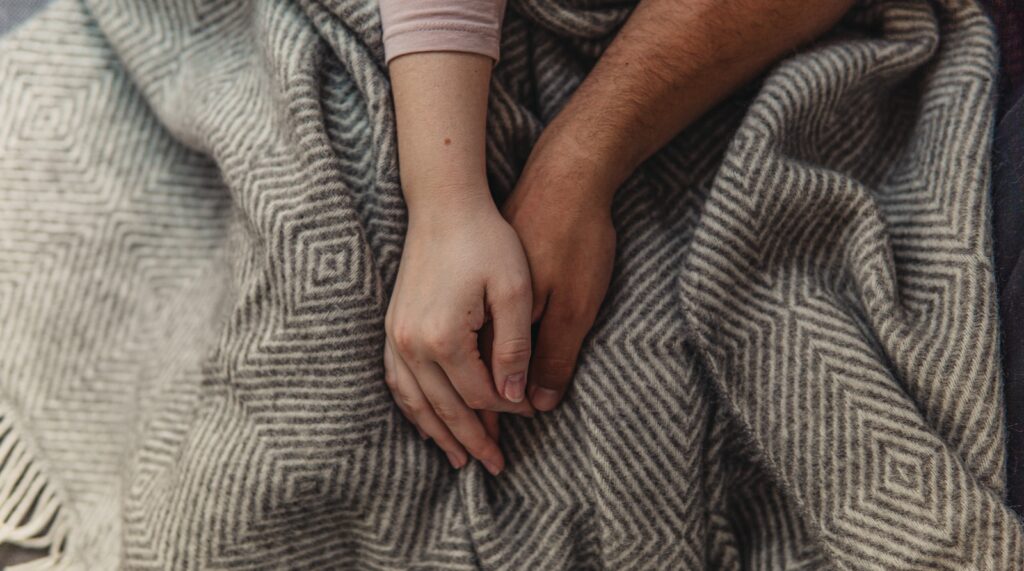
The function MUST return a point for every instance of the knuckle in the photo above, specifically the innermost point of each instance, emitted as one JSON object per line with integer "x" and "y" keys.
{"x": 413, "y": 404}
{"x": 389, "y": 379}
{"x": 481, "y": 447}
{"x": 554, "y": 371}
{"x": 404, "y": 338}
{"x": 513, "y": 351}
{"x": 448, "y": 415}
{"x": 439, "y": 344}
{"x": 516, "y": 288}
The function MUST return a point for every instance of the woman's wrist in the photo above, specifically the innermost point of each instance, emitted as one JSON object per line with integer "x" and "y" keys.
{"x": 441, "y": 112}
{"x": 450, "y": 202}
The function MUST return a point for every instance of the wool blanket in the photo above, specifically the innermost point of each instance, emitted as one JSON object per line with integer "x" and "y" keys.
{"x": 201, "y": 220}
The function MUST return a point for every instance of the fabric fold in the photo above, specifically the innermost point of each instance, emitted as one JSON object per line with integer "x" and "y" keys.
{"x": 796, "y": 365}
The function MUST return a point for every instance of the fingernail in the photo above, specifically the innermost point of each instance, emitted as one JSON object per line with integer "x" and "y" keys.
{"x": 456, "y": 461}
{"x": 515, "y": 387}
{"x": 544, "y": 399}
{"x": 493, "y": 468}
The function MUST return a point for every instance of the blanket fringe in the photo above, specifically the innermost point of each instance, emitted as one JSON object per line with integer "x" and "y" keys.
{"x": 31, "y": 512}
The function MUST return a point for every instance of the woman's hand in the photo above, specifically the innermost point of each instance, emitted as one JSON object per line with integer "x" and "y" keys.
{"x": 561, "y": 210}
{"x": 462, "y": 267}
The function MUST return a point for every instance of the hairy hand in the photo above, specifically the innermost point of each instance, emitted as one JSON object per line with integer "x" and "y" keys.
{"x": 564, "y": 223}
{"x": 462, "y": 267}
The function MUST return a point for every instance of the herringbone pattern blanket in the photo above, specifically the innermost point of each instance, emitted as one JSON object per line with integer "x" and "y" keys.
{"x": 200, "y": 222}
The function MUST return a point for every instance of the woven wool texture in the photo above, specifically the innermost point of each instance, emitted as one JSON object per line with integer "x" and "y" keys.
{"x": 201, "y": 221}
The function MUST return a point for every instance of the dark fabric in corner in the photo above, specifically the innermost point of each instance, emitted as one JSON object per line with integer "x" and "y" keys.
{"x": 1008, "y": 229}
{"x": 13, "y": 12}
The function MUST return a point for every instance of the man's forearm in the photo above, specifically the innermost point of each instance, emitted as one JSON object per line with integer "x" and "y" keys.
{"x": 671, "y": 62}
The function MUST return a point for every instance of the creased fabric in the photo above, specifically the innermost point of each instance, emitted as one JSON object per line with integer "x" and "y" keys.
{"x": 200, "y": 222}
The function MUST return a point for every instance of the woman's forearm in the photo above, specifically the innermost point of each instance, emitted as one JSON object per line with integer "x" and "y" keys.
{"x": 462, "y": 264}
{"x": 441, "y": 112}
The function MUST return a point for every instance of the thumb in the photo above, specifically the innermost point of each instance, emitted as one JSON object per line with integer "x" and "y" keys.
{"x": 510, "y": 351}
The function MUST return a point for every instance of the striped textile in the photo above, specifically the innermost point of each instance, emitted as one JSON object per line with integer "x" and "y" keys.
{"x": 200, "y": 221}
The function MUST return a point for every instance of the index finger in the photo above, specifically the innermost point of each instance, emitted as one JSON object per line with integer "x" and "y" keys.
{"x": 461, "y": 420}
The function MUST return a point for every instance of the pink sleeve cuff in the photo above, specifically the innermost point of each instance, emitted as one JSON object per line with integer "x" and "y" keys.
{"x": 411, "y": 26}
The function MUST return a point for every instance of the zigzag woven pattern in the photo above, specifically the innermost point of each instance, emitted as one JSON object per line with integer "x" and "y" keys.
{"x": 200, "y": 222}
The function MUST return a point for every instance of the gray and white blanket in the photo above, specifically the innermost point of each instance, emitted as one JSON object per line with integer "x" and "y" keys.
{"x": 200, "y": 223}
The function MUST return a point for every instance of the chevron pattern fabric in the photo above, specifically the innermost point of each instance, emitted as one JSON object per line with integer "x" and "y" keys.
{"x": 200, "y": 222}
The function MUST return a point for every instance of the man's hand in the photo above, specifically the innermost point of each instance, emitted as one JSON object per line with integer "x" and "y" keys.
{"x": 649, "y": 84}
{"x": 567, "y": 232}
{"x": 461, "y": 268}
